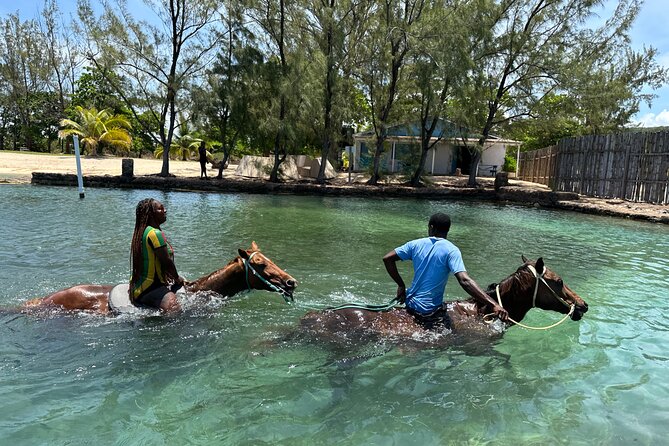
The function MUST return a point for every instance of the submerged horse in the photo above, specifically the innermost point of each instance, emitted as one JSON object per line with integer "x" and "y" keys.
{"x": 532, "y": 285}
{"x": 251, "y": 269}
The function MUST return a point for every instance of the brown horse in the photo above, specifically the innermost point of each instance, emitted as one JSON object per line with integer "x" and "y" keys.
{"x": 532, "y": 285}
{"x": 250, "y": 270}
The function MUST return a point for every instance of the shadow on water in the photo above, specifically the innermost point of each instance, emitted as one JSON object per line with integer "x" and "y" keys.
{"x": 365, "y": 359}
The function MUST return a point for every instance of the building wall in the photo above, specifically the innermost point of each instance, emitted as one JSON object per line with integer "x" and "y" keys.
{"x": 444, "y": 156}
{"x": 443, "y": 159}
{"x": 494, "y": 156}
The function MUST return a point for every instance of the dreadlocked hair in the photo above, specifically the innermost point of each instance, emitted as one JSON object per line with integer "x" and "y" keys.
{"x": 143, "y": 212}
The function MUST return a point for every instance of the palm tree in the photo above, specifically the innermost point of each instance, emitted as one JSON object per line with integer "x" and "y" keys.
{"x": 98, "y": 127}
{"x": 185, "y": 145}
{"x": 182, "y": 148}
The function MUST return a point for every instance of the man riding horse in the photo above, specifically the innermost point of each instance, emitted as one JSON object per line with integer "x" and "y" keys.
{"x": 434, "y": 258}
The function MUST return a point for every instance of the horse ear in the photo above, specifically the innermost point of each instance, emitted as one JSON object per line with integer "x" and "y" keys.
{"x": 254, "y": 247}
{"x": 524, "y": 259}
{"x": 243, "y": 254}
{"x": 540, "y": 266}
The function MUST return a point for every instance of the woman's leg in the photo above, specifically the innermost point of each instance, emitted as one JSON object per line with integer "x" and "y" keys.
{"x": 170, "y": 303}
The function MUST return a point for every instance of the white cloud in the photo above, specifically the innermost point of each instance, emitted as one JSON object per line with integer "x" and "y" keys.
{"x": 653, "y": 120}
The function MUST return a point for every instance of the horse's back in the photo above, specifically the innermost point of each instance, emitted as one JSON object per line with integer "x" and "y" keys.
{"x": 79, "y": 297}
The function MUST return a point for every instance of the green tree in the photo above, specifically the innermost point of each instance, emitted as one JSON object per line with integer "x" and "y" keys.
{"x": 25, "y": 74}
{"x": 185, "y": 144}
{"x": 334, "y": 29}
{"x": 381, "y": 61}
{"x": 60, "y": 52}
{"x": 282, "y": 71}
{"x": 554, "y": 117}
{"x": 92, "y": 90}
{"x": 541, "y": 47}
{"x": 607, "y": 80}
{"x": 439, "y": 63}
{"x": 223, "y": 104}
{"x": 98, "y": 129}
{"x": 159, "y": 59}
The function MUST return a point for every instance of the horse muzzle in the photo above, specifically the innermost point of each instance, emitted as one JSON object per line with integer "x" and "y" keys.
{"x": 579, "y": 311}
{"x": 287, "y": 288}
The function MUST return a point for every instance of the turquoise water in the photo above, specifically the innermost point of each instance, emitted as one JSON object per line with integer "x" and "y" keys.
{"x": 229, "y": 374}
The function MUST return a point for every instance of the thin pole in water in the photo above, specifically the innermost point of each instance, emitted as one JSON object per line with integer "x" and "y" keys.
{"x": 80, "y": 180}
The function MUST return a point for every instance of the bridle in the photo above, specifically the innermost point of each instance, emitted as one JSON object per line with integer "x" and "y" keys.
{"x": 248, "y": 267}
{"x": 540, "y": 278}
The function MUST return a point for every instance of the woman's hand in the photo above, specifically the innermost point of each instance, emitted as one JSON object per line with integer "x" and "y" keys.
{"x": 178, "y": 283}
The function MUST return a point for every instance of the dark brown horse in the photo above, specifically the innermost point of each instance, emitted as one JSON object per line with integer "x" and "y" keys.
{"x": 532, "y": 285}
{"x": 250, "y": 270}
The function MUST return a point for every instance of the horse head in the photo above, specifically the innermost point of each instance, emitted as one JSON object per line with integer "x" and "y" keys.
{"x": 549, "y": 291}
{"x": 263, "y": 274}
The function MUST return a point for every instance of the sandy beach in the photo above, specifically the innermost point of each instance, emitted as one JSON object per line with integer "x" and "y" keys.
{"x": 17, "y": 167}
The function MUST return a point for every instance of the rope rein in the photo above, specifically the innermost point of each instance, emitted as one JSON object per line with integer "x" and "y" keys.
{"x": 394, "y": 303}
{"x": 538, "y": 277}
{"x": 248, "y": 267}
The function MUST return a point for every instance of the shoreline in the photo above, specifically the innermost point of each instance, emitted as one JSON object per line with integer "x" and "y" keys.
{"x": 105, "y": 172}
{"x": 506, "y": 195}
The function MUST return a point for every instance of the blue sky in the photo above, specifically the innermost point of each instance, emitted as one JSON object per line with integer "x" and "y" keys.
{"x": 650, "y": 29}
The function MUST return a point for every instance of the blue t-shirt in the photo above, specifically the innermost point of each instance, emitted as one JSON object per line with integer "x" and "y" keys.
{"x": 433, "y": 260}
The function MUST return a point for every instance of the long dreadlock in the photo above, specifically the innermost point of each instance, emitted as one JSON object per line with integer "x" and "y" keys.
{"x": 143, "y": 213}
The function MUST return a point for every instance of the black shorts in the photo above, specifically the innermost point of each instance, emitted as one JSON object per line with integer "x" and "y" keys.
{"x": 152, "y": 297}
{"x": 438, "y": 319}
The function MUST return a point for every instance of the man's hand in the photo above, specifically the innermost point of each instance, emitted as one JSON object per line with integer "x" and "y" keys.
{"x": 401, "y": 294}
{"x": 390, "y": 260}
{"x": 501, "y": 313}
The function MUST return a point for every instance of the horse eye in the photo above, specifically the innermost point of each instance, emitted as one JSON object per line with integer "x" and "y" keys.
{"x": 561, "y": 283}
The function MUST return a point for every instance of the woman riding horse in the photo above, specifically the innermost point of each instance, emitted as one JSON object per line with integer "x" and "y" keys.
{"x": 152, "y": 260}
{"x": 250, "y": 270}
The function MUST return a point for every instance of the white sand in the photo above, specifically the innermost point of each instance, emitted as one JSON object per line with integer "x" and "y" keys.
{"x": 18, "y": 167}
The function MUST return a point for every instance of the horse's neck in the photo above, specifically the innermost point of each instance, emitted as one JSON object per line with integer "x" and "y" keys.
{"x": 227, "y": 281}
{"x": 516, "y": 294}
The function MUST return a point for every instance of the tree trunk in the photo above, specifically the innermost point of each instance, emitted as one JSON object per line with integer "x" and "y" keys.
{"x": 279, "y": 143}
{"x": 374, "y": 179}
{"x": 415, "y": 178}
{"x": 226, "y": 155}
{"x": 329, "y": 93}
{"x": 165, "y": 170}
{"x": 473, "y": 167}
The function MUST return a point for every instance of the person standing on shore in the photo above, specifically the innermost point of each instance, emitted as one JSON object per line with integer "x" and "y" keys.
{"x": 203, "y": 160}
{"x": 434, "y": 258}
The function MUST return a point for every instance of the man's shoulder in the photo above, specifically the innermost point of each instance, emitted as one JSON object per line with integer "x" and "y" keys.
{"x": 447, "y": 245}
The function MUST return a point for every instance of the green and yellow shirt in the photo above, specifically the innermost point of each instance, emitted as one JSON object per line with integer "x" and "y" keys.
{"x": 152, "y": 272}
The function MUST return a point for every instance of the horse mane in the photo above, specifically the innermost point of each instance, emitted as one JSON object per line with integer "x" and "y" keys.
{"x": 512, "y": 284}
{"x": 217, "y": 272}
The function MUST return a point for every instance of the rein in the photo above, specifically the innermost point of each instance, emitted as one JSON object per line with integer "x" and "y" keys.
{"x": 539, "y": 278}
{"x": 394, "y": 303}
{"x": 248, "y": 266}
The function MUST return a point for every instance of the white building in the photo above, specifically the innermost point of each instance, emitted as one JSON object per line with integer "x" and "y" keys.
{"x": 451, "y": 150}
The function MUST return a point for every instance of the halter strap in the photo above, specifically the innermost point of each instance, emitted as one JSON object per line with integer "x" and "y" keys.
{"x": 248, "y": 266}
{"x": 539, "y": 277}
